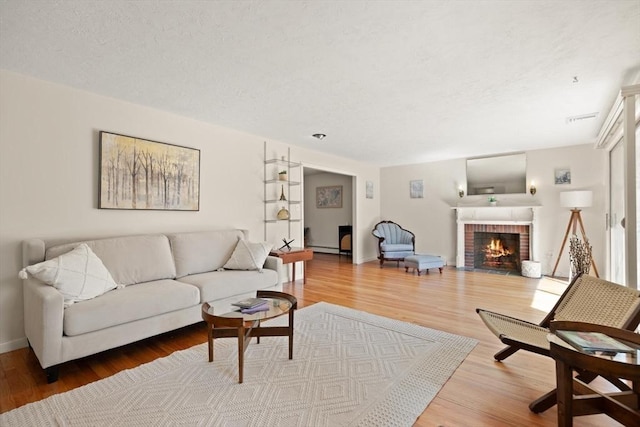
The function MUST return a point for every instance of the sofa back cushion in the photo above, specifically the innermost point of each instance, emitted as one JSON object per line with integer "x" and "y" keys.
{"x": 203, "y": 251}
{"x": 129, "y": 259}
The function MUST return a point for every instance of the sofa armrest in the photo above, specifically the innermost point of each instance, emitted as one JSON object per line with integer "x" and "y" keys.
{"x": 275, "y": 263}
{"x": 43, "y": 321}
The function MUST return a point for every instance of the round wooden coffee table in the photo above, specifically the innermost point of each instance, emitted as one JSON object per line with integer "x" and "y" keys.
{"x": 246, "y": 326}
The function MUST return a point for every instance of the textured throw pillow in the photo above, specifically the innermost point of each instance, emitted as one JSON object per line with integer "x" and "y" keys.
{"x": 79, "y": 274}
{"x": 248, "y": 256}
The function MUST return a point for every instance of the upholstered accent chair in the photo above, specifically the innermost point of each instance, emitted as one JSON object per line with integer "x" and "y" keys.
{"x": 394, "y": 242}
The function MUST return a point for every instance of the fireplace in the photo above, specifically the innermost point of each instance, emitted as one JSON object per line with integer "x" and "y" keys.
{"x": 496, "y": 251}
{"x": 506, "y": 218}
{"x": 496, "y": 246}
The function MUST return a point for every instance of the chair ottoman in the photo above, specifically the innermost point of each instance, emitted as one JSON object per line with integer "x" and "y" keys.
{"x": 423, "y": 262}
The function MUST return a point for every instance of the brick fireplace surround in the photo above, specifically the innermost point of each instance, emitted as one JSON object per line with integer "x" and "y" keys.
{"x": 505, "y": 218}
{"x": 471, "y": 229}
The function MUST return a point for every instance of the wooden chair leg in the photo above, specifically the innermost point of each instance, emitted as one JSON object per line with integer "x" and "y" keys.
{"x": 504, "y": 353}
{"x": 544, "y": 402}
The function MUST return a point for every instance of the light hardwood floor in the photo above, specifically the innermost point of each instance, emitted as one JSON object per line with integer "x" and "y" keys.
{"x": 480, "y": 393}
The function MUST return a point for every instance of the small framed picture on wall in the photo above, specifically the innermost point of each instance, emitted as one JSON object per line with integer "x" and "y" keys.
{"x": 329, "y": 197}
{"x": 369, "y": 192}
{"x": 416, "y": 189}
{"x": 562, "y": 176}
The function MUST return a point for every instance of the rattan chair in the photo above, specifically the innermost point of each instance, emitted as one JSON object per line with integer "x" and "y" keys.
{"x": 587, "y": 299}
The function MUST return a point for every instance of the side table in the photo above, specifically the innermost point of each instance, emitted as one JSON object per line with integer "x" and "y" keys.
{"x": 293, "y": 255}
{"x": 576, "y": 397}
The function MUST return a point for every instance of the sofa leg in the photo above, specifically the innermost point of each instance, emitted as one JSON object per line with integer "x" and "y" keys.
{"x": 381, "y": 262}
{"x": 52, "y": 374}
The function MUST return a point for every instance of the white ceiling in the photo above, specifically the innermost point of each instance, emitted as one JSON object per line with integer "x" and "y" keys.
{"x": 389, "y": 82}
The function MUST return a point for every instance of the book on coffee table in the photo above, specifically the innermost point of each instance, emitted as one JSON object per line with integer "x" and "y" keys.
{"x": 249, "y": 302}
{"x": 594, "y": 341}
{"x": 256, "y": 309}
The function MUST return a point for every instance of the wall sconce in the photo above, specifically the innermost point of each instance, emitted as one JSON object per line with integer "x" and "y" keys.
{"x": 532, "y": 188}
{"x": 460, "y": 191}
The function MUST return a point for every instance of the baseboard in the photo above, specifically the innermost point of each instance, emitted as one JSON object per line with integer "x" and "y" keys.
{"x": 323, "y": 250}
{"x": 8, "y": 346}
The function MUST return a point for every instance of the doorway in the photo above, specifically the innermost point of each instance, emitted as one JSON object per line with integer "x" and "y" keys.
{"x": 328, "y": 210}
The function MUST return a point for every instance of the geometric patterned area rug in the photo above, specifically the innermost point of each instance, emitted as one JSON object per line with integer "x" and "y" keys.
{"x": 349, "y": 368}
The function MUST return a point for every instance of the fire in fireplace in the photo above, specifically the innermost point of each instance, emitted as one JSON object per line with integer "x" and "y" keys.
{"x": 497, "y": 251}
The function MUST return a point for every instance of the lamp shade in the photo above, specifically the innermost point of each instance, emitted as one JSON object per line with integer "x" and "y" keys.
{"x": 576, "y": 199}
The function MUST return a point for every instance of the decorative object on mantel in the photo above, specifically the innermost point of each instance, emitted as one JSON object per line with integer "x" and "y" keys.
{"x": 532, "y": 188}
{"x": 562, "y": 176}
{"x": 460, "y": 191}
{"x": 575, "y": 200}
{"x": 282, "y": 175}
{"x": 493, "y": 201}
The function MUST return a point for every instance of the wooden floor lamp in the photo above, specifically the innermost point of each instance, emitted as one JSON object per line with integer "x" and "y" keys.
{"x": 575, "y": 200}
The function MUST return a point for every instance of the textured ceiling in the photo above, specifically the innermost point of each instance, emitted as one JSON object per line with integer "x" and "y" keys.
{"x": 389, "y": 82}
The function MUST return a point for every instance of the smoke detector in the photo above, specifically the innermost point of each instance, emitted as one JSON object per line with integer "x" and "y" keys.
{"x": 582, "y": 117}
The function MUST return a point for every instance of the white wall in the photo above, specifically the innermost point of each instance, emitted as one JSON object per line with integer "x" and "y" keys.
{"x": 323, "y": 222}
{"x": 434, "y": 223}
{"x": 49, "y": 177}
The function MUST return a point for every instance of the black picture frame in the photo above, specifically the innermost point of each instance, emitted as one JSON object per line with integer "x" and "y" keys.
{"x": 141, "y": 174}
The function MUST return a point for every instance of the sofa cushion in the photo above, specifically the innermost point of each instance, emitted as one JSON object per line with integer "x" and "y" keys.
{"x": 224, "y": 284}
{"x": 129, "y": 259}
{"x": 79, "y": 274}
{"x": 248, "y": 255}
{"x": 203, "y": 251}
{"x": 132, "y": 303}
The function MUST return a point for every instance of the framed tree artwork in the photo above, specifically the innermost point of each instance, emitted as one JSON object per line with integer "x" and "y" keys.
{"x": 141, "y": 174}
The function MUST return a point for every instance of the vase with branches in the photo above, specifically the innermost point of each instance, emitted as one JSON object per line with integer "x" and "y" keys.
{"x": 580, "y": 254}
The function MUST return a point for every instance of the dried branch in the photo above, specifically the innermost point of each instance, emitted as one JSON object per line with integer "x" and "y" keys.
{"x": 579, "y": 256}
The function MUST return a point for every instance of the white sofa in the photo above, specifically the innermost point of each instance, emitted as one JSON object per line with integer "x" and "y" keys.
{"x": 167, "y": 277}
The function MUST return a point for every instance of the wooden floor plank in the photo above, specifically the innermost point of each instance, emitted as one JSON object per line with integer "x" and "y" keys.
{"x": 481, "y": 392}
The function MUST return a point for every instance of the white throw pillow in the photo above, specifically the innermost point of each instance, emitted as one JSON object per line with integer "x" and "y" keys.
{"x": 248, "y": 256}
{"x": 78, "y": 274}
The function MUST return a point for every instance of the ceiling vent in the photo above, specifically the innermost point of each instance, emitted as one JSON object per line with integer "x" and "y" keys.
{"x": 576, "y": 119}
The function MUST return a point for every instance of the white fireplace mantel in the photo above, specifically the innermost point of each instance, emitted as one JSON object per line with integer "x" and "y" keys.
{"x": 504, "y": 213}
